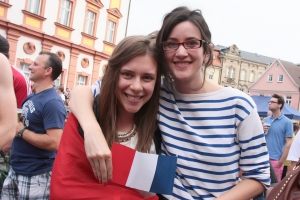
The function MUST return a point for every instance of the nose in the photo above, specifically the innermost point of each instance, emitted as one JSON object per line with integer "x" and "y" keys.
{"x": 181, "y": 51}
{"x": 136, "y": 85}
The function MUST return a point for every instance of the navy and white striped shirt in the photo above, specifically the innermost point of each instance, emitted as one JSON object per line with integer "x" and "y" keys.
{"x": 214, "y": 135}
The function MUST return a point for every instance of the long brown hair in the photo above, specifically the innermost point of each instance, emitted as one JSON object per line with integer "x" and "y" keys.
{"x": 176, "y": 16}
{"x": 145, "y": 118}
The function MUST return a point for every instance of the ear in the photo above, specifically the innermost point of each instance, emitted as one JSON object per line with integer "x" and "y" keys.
{"x": 206, "y": 58}
{"x": 48, "y": 71}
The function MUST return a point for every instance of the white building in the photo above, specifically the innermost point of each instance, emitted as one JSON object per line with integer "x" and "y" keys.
{"x": 82, "y": 32}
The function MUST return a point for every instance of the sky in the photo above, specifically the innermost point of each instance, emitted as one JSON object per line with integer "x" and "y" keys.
{"x": 266, "y": 27}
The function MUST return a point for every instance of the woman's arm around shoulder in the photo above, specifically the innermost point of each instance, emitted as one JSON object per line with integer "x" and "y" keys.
{"x": 97, "y": 150}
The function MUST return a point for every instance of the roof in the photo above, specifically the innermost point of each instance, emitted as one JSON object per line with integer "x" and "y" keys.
{"x": 253, "y": 57}
{"x": 293, "y": 70}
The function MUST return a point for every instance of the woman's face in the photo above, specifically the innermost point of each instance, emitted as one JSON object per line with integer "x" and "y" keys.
{"x": 185, "y": 64}
{"x": 136, "y": 83}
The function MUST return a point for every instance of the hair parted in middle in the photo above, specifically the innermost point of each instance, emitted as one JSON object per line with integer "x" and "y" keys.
{"x": 182, "y": 14}
{"x": 146, "y": 117}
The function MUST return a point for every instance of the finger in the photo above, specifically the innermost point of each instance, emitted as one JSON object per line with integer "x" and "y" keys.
{"x": 97, "y": 169}
{"x": 109, "y": 168}
{"x": 103, "y": 171}
{"x": 93, "y": 165}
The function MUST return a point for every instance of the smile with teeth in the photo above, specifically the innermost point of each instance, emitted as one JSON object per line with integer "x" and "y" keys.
{"x": 182, "y": 63}
{"x": 133, "y": 98}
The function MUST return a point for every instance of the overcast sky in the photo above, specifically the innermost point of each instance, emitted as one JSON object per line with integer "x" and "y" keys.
{"x": 267, "y": 27}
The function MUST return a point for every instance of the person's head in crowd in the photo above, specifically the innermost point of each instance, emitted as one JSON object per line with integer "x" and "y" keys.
{"x": 295, "y": 128}
{"x": 133, "y": 73}
{"x": 4, "y": 46}
{"x": 60, "y": 90}
{"x": 180, "y": 20}
{"x": 46, "y": 66}
{"x": 276, "y": 103}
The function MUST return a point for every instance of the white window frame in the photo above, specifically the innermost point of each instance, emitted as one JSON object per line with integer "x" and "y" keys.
{"x": 110, "y": 31}
{"x": 288, "y": 100}
{"x": 280, "y": 78}
{"x": 90, "y": 22}
{"x": 227, "y": 72}
{"x": 251, "y": 77}
{"x": 81, "y": 80}
{"x": 232, "y": 73}
{"x": 24, "y": 67}
{"x": 243, "y": 75}
{"x": 270, "y": 78}
{"x": 34, "y": 6}
{"x": 65, "y": 12}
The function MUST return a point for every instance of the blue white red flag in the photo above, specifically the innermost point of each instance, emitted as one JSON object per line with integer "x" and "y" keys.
{"x": 143, "y": 171}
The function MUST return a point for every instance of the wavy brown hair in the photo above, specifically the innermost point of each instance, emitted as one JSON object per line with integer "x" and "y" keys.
{"x": 145, "y": 118}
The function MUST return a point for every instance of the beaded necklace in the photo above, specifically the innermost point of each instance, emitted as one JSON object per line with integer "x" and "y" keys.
{"x": 127, "y": 136}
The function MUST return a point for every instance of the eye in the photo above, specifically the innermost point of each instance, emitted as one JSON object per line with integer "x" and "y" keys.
{"x": 126, "y": 74}
{"x": 148, "y": 78}
{"x": 171, "y": 45}
{"x": 192, "y": 43}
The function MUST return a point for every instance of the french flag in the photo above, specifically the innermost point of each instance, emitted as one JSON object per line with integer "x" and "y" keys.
{"x": 143, "y": 171}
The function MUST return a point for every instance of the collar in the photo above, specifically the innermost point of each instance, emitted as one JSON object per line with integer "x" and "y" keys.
{"x": 279, "y": 117}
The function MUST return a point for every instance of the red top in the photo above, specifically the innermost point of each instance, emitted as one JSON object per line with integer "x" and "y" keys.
{"x": 21, "y": 85}
{"x": 73, "y": 177}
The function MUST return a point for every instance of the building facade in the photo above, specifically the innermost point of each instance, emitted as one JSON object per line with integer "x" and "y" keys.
{"x": 282, "y": 78}
{"x": 240, "y": 69}
{"x": 83, "y": 33}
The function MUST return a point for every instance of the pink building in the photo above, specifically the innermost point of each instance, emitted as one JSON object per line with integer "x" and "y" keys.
{"x": 281, "y": 78}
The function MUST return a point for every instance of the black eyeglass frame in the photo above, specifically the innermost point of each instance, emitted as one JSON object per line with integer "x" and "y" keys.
{"x": 183, "y": 44}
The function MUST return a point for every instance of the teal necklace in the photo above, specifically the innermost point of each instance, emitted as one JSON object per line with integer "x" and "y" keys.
{"x": 127, "y": 136}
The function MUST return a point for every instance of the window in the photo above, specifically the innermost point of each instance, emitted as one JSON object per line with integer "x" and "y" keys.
{"x": 251, "y": 77}
{"x": 34, "y": 6}
{"x": 90, "y": 22}
{"x": 110, "y": 31}
{"x": 24, "y": 68}
{"x": 288, "y": 100}
{"x": 259, "y": 74}
{"x": 81, "y": 80}
{"x": 243, "y": 75}
{"x": 280, "y": 78}
{"x": 270, "y": 78}
{"x": 65, "y": 12}
{"x": 227, "y": 72}
{"x": 211, "y": 75}
{"x": 232, "y": 74}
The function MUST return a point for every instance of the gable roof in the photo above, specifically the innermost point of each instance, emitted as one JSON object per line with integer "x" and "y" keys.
{"x": 293, "y": 71}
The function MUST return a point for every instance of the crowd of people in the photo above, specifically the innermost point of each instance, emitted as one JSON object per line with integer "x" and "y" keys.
{"x": 153, "y": 98}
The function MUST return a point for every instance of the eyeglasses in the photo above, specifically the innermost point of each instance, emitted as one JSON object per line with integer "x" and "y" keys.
{"x": 273, "y": 102}
{"x": 191, "y": 44}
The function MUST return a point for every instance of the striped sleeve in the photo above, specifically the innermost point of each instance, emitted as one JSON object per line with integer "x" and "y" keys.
{"x": 96, "y": 88}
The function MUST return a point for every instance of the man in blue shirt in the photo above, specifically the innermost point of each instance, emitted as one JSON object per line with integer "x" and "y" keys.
{"x": 278, "y": 135}
{"x": 38, "y": 135}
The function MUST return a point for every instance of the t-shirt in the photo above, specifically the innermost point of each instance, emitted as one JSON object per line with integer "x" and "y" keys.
{"x": 213, "y": 135}
{"x": 280, "y": 129}
{"x": 41, "y": 111}
{"x": 22, "y": 85}
{"x": 294, "y": 153}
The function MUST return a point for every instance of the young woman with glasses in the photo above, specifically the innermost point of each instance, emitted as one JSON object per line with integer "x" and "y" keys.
{"x": 214, "y": 131}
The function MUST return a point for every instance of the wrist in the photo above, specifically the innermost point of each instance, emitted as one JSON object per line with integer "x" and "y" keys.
{"x": 20, "y": 133}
